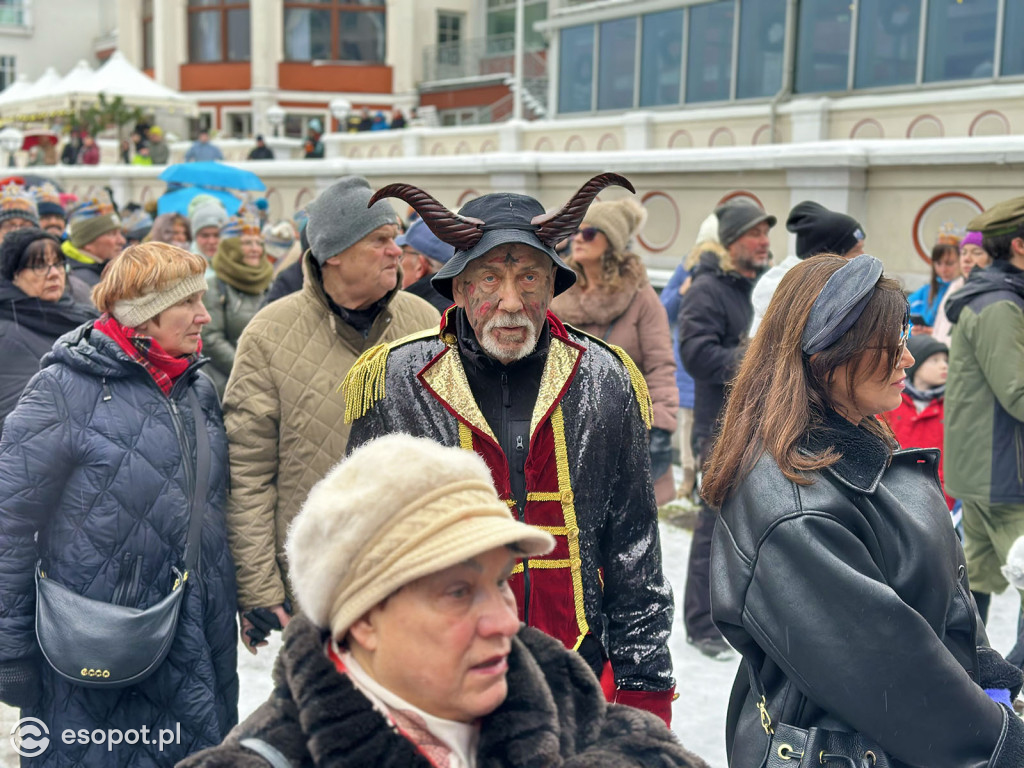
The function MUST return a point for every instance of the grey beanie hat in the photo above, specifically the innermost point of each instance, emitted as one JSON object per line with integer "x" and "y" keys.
{"x": 339, "y": 218}
{"x": 210, "y": 214}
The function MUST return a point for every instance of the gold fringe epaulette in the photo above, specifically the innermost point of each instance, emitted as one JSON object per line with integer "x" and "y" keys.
{"x": 636, "y": 378}
{"x": 363, "y": 386}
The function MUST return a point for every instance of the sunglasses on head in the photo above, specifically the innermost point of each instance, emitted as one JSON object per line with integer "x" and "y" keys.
{"x": 588, "y": 233}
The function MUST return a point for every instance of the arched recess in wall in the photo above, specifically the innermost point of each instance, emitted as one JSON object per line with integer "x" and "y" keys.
{"x": 438, "y": 149}
{"x": 740, "y": 193}
{"x": 680, "y": 139}
{"x": 946, "y": 210}
{"x": 395, "y": 151}
{"x": 355, "y": 152}
{"x": 145, "y": 195}
{"x": 663, "y": 221}
{"x": 763, "y": 135}
{"x": 608, "y": 143}
{"x": 463, "y": 148}
{"x": 466, "y": 196}
{"x": 991, "y": 122}
{"x": 575, "y": 144}
{"x": 374, "y": 151}
{"x": 868, "y": 128}
{"x": 488, "y": 146}
{"x": 304, "y": 196}
{"x": 722, "y": 137}
{"x": 925, "y": 127}
{"x": 274, "y": 204}
{"x": 544, "y": 145}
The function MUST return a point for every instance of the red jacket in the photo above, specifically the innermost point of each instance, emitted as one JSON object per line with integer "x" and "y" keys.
{"x": 919, "y": 430}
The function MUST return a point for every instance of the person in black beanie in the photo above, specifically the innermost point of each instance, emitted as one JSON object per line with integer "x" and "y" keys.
{"x": 818, "y": 230}
{"x": 35, "y": 308}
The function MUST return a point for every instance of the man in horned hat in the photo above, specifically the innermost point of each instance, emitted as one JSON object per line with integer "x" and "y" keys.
{"x": 561, "y": 419}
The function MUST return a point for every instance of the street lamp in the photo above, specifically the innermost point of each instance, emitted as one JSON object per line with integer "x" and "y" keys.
{"x": 276, "y": 117}
{"x": 340, "y": 110}
{"x": 11, "y": 140}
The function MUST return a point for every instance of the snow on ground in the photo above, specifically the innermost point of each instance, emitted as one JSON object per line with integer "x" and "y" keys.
{"x": 698, "y": 715}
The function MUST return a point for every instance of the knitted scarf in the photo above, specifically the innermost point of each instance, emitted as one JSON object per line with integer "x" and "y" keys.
{"x": 145, "y": 350}
{"x": 232, "y": 269}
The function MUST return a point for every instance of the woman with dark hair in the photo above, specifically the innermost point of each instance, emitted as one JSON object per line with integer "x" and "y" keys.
{"x": 925, "y": 301}
{"x": 835, "y": 570}
{"x": 113, "y": 483}
{"x": 35, "y": 308}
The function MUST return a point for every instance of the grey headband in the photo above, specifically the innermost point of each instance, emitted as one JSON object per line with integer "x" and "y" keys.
{"x": 840, "y": 303}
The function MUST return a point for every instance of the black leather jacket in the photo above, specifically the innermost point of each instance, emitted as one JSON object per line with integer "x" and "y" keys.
{"x": 850, "y": 598}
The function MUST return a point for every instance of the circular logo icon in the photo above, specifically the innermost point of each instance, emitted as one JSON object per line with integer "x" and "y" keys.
{"x": 30, "y": 737}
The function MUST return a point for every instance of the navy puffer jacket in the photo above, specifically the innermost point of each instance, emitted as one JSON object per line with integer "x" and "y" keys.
{"x": 98, "y": 462}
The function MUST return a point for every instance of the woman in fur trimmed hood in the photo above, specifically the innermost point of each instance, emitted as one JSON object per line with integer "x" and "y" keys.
{"x": 409, "y": 652}
{"x": 614, "y": 301}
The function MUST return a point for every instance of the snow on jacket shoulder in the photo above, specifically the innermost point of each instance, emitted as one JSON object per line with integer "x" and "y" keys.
{"x": 285, "y": 419}
{"x": 94, "y": 481}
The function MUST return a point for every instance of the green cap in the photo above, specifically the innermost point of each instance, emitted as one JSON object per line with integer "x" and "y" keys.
{"x": 1004, "y": 218}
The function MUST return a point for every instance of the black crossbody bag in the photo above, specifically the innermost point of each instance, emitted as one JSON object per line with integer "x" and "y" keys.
{"x": 792, "y": 747}
{"x": 104, "y": 645}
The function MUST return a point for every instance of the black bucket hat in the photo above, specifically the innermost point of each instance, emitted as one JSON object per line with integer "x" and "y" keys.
{"x": 498, "y": 219}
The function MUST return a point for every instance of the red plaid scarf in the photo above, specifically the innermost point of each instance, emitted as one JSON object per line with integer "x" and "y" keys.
{"x": 145, "y": 350}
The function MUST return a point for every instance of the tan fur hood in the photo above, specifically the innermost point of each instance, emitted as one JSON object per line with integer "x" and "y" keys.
{"x": 601, "y": 306}
{"x": 711, "y": 247}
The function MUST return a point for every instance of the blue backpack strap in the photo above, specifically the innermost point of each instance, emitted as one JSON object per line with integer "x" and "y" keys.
{"x": 267, "y": 752}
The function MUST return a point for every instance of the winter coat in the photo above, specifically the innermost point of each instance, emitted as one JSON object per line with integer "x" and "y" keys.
{"x": 984, "y": 456}
{"x": 28, "y": 328}
{"x": 630, "y": 317}
{"x": 84, "y": 266}
{"x": 919, "y": 304}
{"x": 849, "y": 597}
{"x": 287, "y": 281}
{"x": 230, "y": 311}
{"x": 89, "y": 155}
{"x": 98, "y": 462}
{"x": 159, "y": 152}
{"x": 765, "y": 289}
{"x": 285, "y": 419}
{"x": 554, "y": 715}
{"x": 942, "y": 330}
{"x": 914, "y": 429}
{"x": 671, "y": 300}
{"x": 203, "y": 152}
{"x": 713, "y": 323}
{"x": 622, "y": 596}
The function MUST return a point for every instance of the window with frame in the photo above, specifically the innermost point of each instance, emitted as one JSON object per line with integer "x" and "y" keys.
{"x": 661, "y": 58}
{"x": 823, "y": 45}
{"x": 335, "y": 30}
{"x": 449, "y": 27}
{"x": 960, "y": 39}
{"x": 576, "y": 69}
{"x": 887, "y": 37}
{"x": 1013, "y": 52}
{"x": 616, "y": 63}
{"x": 709, "y": 56}
{"x": 762, "y": 42}
{"x": 501, "y": 24}
{"x": 218, "y": 30}
{"x": 8, "y": 70}
{"x": 147, "y": 34}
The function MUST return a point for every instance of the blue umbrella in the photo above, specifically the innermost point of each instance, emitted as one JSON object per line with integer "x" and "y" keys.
{"x": 177, "y": 200}
{"x": 212, "y": 175}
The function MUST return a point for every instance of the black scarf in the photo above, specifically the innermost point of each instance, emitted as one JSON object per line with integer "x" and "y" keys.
{"x": 47, "y": 318}
{"x": 864, "y": 456}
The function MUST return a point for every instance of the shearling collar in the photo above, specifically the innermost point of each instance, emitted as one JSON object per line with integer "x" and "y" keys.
{"x": 600, "y": 305}
{"x": 864, "y": 457}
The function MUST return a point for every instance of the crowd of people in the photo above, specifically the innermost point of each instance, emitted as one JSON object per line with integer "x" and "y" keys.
{"x": 432, "y": 452}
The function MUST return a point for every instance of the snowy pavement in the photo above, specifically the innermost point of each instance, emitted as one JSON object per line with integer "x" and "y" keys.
{"x": 698, "y": 715}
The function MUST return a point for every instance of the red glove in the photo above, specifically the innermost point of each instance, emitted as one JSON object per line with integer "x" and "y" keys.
{"x": 656, "y": 702}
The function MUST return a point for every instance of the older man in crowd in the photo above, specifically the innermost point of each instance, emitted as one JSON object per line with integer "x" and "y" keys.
{"x": 282, "y": 409}
{"x": 94, "y": 240}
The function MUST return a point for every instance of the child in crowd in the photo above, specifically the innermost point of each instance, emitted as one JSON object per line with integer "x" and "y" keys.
{"x": 917, "y": 422}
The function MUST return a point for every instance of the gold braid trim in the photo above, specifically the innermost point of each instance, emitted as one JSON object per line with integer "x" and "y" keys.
{"x": 569, "y": 513}
{"x": 363, "y": 386}
{"x": 466, "y": 441}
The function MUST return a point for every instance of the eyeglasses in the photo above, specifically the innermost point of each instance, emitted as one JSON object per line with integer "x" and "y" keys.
{"x": 903, "y": 344}
{"x": 588, "y": 233}
{"x": 44, "y": 269}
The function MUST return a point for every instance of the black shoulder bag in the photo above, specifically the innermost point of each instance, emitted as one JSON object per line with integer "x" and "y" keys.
{"x": 792, "y": 747}
{"x": 100, "y": 644}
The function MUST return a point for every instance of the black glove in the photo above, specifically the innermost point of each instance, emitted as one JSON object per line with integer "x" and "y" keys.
{"x": 661, "y": 452}
{"x": 996, "y": 672}
{"x": 20, "y": 682}
{"x": 263, "y": 622}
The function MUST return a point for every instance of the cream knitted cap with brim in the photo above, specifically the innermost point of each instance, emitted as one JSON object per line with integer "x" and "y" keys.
{"x": 399, "y": 508}
{"x": 131, "y": 313}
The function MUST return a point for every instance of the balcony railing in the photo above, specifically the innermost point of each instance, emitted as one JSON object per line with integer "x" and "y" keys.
{"x": 15, "y": 13}
{"x": 477, "y": 57}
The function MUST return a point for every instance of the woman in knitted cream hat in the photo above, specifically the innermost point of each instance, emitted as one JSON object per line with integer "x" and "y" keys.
{"x": 101, "y": 462}
{"x": 242, "y": 275}
{"x": 409, "y": 652}
{"x": 614, "y": 301}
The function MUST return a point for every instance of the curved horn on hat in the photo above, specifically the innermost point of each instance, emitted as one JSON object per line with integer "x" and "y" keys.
{"x": 462, "y": 232}
{"x": 553, "y": 227}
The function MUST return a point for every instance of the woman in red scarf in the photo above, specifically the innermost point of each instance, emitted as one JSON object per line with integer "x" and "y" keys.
{"x": 98, "y": 478}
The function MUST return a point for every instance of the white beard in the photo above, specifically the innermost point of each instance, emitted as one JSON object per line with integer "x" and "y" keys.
{"x": 508, "y": 353}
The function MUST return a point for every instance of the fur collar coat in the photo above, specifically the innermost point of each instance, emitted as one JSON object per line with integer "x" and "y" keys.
{"x": 554, "y": 715}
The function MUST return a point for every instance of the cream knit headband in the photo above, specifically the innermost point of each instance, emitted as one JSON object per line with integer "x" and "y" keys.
{"x": 132, "y": 313}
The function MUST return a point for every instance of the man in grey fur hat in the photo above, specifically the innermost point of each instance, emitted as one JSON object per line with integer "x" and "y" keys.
{"x": 282, "y": 410}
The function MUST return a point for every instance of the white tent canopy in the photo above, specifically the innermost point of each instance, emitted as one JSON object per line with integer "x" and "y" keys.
{"x": 16, "y": 90}
{"x": 82, "y": 86}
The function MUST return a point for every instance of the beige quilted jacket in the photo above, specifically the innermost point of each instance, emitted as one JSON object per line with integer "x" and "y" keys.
{"x": 285, "y": 420}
